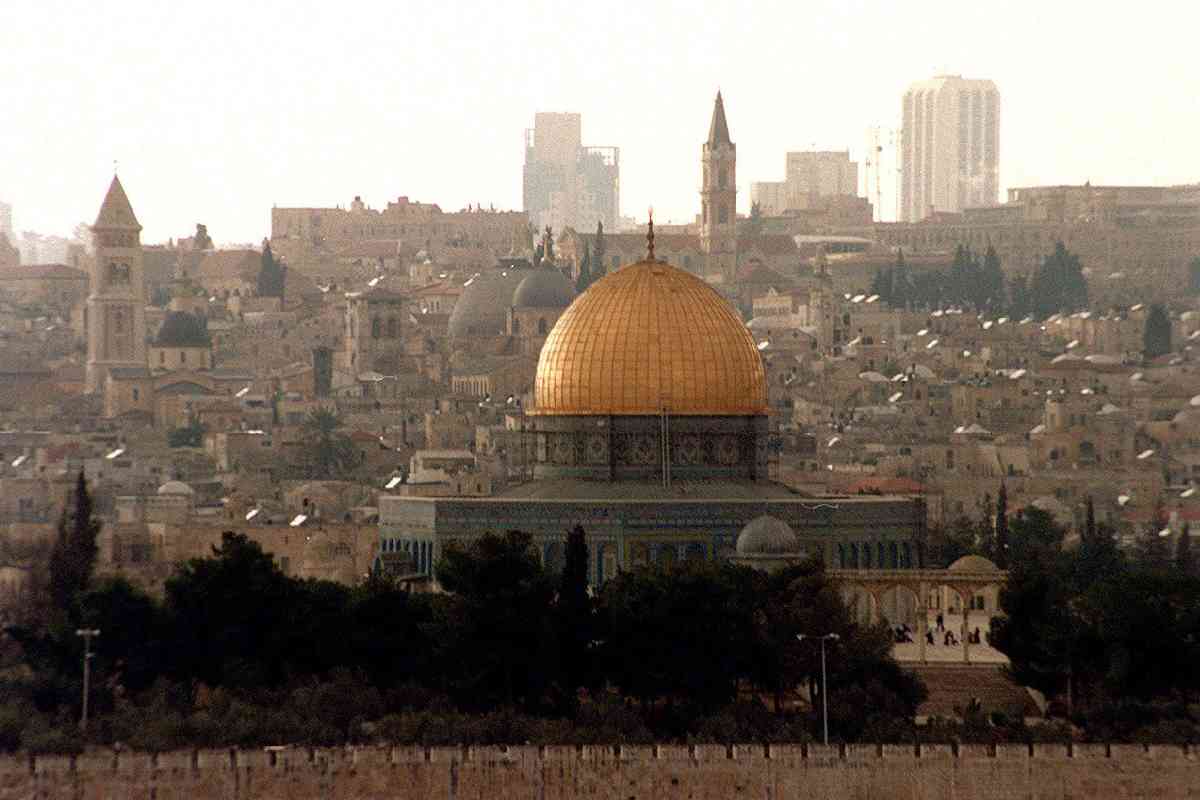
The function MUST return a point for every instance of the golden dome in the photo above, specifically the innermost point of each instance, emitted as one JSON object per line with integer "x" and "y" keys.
{"x": 647, "y": 337}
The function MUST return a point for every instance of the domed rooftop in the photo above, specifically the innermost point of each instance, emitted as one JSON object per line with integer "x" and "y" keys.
{"x": 972, "y": 564}
{"x": 645, "y": 337}
{"x": 483, "y": 305}
{"x": 546, "y": 287}
{"x": 176, "y": 488}
{"x": 183, "y": 329}
{"x": 767, "y": 536}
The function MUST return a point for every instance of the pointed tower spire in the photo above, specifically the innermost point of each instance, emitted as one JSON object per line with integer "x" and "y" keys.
{"x": 718, "y": 131}
{"x": 115, "y": 211}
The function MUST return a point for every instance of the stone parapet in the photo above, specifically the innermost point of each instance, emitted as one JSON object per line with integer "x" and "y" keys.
{"x": 642, "y": 772}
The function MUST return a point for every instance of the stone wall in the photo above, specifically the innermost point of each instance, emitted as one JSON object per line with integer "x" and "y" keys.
{"x": 866, "y": 772}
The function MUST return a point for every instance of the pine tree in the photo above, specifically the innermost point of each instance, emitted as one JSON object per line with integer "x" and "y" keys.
{"x": 73, "y": 556}
{"x": 574, "y": 613}
{"x": 1183, "y": 552}
{"x": 1002, "y": 528}
{"x": 1156, "y": 336}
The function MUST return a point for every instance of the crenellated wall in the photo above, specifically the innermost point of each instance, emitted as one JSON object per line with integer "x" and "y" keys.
{"x": 702, "y": 772}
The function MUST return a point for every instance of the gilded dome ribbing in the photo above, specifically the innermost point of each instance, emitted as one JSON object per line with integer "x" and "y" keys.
{"x": 648, "y": 337}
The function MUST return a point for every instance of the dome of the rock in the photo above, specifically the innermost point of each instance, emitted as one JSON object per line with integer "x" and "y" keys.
{"x": 648, "y": 338}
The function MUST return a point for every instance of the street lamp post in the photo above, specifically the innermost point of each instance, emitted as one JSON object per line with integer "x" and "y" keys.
{"x": 800, "y": 637}
{"x": 87, "y": 634}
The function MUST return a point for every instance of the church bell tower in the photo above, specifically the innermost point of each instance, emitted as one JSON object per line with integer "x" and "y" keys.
{"x": 116, "y": 306}
{"x": 718, "y": 200}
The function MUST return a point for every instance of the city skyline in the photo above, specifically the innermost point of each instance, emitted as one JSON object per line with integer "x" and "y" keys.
{"x": 219, "y": 140}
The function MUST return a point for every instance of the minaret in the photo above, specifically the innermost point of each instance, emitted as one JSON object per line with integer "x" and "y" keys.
{"x": 718, "y": 199}
{"x": 116, "y": 309}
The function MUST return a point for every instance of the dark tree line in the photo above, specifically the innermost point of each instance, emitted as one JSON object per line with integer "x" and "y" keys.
{"x": 237, "y": 652}
{"x": 978, "y": 282}
{"x": 1110, "y": 636}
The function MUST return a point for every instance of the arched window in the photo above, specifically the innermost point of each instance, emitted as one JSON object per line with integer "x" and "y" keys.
{"x": 541, "y": 326}
{"x": 393, "y": 327}
{"x": 723, "y": 215}
{"x": 376, "y": 327}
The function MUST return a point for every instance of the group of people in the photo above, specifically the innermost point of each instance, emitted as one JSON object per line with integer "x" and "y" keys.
{"x": 903, "y": 634}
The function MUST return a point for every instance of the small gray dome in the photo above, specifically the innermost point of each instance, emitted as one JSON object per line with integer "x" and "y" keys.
{"x": 483, "y": 306}
{"x": 767, "y": 536}
{"x": 177, "y": 488}
{"x": 544, "y": 288}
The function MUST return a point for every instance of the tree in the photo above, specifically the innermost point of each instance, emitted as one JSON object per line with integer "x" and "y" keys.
{"x": 964, "y": 277}
{"x": 574, "y": 615}
{"x": 655, "y": 620}
{"x": 1153, "y": 550}
{"x": 190, "y": 435}
{"x": 600, "y": 251}
{"x": 74, "y": 554}
{"x": 229, "y": 616}
{"x": 1034, "y": 536}
{"x": 1059, "y": 284}
{"x": 1001, "y": 535}
{"x": 330, "y": 456}
{"x": 498, "y": 637}
{"x": 585, "y": 270}
{"x": 1156, "y": 336}
{"x": 990, "y": 295}
{"x": 272, "y": 276}
{"x": 1018, "y": 296}
{"x": 1184, "y": 561}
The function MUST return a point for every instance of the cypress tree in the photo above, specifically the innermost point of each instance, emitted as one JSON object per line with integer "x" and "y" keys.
{"x": 1183, "y": 551}
{"x": 1002, "y": 528}
{"x": 585, "y": 270}
{"x": 991, "y": 282}
{"x": 574, "y": 614}
{"x": 598, "y": 268}
{"x": 73, "y": 556}
{"x": 1156, "y": 336}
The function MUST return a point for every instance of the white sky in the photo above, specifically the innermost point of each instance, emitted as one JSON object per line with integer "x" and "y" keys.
{"x": 218, "y": 110}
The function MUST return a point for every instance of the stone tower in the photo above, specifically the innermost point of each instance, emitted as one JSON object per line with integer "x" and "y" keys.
{"x": 718, "y": 200}
{"x": 116, "y": 307}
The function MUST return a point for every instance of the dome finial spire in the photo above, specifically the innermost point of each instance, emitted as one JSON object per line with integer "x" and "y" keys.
{"x": 650, "y": 237}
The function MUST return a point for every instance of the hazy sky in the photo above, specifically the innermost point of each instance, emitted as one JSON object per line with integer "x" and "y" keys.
{"x": 218, "y": 110}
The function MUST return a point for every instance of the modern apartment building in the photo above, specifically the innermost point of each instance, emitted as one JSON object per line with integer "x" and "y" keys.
{"x": 566, "y": 183}
{"x": 949, "y": 146}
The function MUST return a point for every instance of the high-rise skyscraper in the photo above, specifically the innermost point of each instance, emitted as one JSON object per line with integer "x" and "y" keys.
{"x": 566, "y": 183}
{"x": 6, "y": 227}
{"x": 949, "y": 146}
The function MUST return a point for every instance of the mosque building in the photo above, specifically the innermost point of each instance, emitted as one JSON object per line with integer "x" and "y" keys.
{"x": 650, "y": 428}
